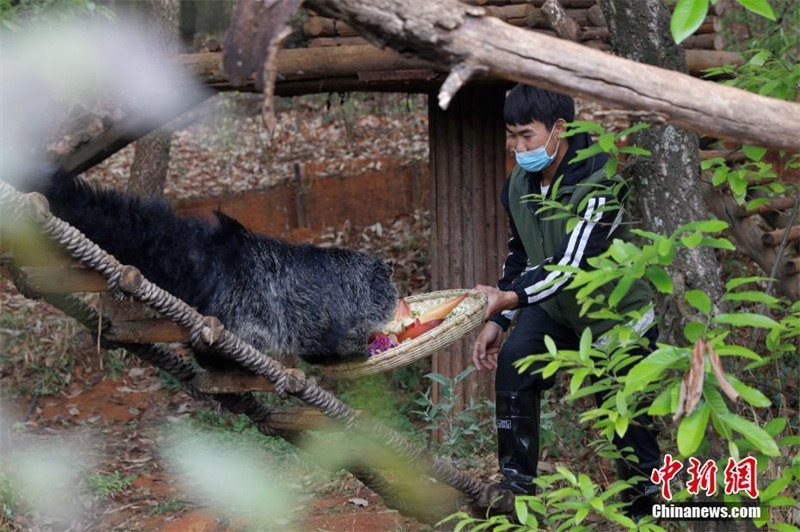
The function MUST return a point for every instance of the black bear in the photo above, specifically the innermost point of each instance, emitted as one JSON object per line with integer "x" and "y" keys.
{"x": 287, "y": 300}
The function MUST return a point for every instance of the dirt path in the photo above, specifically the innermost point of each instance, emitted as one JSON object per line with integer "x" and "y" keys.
{"x": 121, "y": 424}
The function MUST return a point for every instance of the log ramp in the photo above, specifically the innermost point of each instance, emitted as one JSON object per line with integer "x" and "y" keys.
{"x": 100, "y": 271}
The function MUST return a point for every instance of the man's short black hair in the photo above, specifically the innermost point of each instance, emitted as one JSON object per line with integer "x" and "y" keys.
{"x": 524, "y": 104}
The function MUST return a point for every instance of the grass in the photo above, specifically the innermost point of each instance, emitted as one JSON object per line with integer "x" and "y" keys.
{"x": 171, "y": 505}
{"x": 109, "y": 485}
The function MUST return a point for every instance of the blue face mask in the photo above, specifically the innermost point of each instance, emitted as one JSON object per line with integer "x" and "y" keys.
{"x": 536, "y": 160}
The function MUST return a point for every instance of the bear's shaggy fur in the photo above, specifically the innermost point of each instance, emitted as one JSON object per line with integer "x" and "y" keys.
{"x": 319, "y": 303}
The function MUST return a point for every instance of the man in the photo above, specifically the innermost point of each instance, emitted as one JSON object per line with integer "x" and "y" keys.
{"x": 536, "y": 297}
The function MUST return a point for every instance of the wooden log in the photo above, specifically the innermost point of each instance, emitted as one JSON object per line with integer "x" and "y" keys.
{"x": 299, "y": 418}
{"x": 596, "y": 17}
{"x": 699, "y": 60}
{"x": 322, "y": 42}
{"x": 511, "y": 11}
{"x": 450, "y": 33}
{"x": 564, "y": 26}
{"x": 327, "y": 27}
{"x": 700, "y": 42}
{"x": 590, "y": 33}
{"x": 319, "y": 26}
{"x": 748, "y": 236}
{"x": 777, "y": 205}
{"x": 55, "y": 280}
{"x": 774, "y": 238}
{"x": 231, "y": 382}
{"x": 730, "y": 156}
{"x": 146, "y": 331}
{"x": 792, "y": 266}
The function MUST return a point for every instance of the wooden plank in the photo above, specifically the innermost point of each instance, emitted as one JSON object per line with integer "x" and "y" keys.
{"x": 56, "y": 280}
{"x": 231, "y": 382}
{"x": 146, "y": 331}
{"x": 467, "y": 167}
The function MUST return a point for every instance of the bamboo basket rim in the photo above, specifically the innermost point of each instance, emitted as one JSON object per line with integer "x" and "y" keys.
{"x": 425, "y": 344}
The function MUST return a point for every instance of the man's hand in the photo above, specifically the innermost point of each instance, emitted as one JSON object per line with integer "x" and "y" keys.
{"x": 497, "y": 300}
{"x": 487, "y": 347}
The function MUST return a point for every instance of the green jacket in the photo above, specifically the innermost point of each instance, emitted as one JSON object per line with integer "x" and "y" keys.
{"x": 537, "y": 242}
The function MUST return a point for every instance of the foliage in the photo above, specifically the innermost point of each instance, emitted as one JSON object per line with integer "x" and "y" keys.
{"x": 171, "y": 505}
{"x": 634, "y": 385}
{"x": 466, "y": 433}
{"x": 565, "y": 503}
{"x": 15, "y": 13}
{"x": 108, "y": 485}
{"x": 689, "y": 15}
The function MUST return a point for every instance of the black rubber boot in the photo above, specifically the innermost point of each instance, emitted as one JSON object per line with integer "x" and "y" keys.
{"x": 642, "y": 496}
{"x": 518, "y": 439}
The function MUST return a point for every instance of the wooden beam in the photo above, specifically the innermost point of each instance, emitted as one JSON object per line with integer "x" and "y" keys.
{"x": 146, "y": 331}
{"x": 320, "y": 66}
{"x": 56, "y": 280}
{"x": 459, "y": 37}
{"x": 231, "y": 382}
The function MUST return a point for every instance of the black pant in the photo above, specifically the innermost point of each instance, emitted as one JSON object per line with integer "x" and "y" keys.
{"x": 527, "y": 338}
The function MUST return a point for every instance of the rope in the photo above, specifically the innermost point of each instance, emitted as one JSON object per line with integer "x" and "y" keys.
{"x": 245, "y": 404}
{"x": 205, "y": 331}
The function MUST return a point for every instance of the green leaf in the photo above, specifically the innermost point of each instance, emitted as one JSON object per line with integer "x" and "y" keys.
{"x": 750, "y": 295}
{"x": 621, "y": 426}
{"x": 521, "y": 509}
{"x": 687, "y": 17}
{"x": 757, "y": 436}
{"x": 746, "y": 319}
{"x": 606, "y": 141}
{"x": 651, "y": 367}
{"x": 692, "y": 240}
{"x": 737, "y": 350}
{"x": 660, "y": 279}
{"x": 751, "y": 395}
{"x": 633, "y": 129}
{"x": 738, "y": 281}
{"x": 760, "y": 58}
{"x": 720, "y": 176}
{"x": 698, "y": 300}
{"x": 634, "y": 150}
{"x": 759, "y": 7}
{"x": 577, "y": 379}
{"x": 775, "y": 426}
{"x": 620, "y": 290}
{"x": 551, "y": 345}
{"x": 705, "y": 226}
{"x": 586, "y": 345}
{"x": 693, "y": 330}
{"x": 754, "y": 153}
{"x": 662, "y": 405}
{"x": 692, "y": 429}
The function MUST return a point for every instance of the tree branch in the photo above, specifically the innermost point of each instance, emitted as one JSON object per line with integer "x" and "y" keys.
{"x": 448, "y": 33}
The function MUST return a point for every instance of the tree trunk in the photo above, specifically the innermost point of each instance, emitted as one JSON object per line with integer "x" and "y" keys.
{"x": 151, "y": 152}
{"x": 151, "y": 156}
{"x": 468, "y": 229}
{"x": 667, "y": 183}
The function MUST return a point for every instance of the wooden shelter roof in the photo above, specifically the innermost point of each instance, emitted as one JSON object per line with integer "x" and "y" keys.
{"x": 328, "y": 55}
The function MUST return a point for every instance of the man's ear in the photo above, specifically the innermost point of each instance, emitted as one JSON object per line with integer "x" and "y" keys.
{"x": 560, "y": 126}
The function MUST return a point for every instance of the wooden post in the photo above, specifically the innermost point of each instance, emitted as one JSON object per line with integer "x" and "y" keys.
{"x": 468, "y": 232}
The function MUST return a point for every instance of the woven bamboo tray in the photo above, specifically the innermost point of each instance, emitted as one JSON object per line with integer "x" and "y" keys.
{"x": 464, "y": 318}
